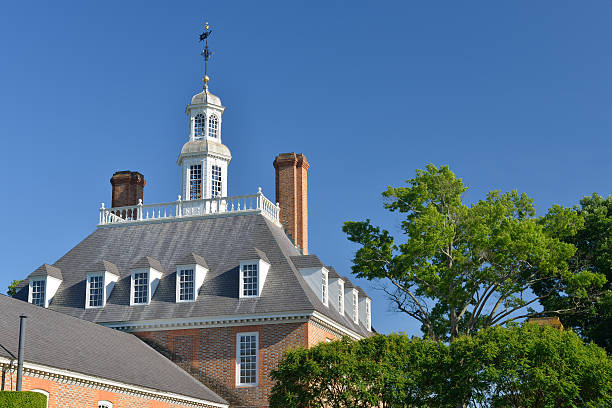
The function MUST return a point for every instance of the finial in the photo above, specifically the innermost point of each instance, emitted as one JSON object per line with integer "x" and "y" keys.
{"x": 206, "y": 53}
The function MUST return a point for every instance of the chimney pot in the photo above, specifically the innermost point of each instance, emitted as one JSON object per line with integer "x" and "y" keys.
{"x": 128, "y": 188}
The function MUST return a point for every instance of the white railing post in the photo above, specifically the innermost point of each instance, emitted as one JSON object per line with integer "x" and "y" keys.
{"x": 179, "y": 205}
{"x": 140, "y": 209}
{"x": 259, "y": 199}
{"x": 102, "y": 214}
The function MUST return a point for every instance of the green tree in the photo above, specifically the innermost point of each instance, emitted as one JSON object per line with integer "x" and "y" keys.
{"x": 462, "y": 267}
{"x": 594, "y": 254}
{"x": 12, "y": 289}
{"x": 516, "y": 367}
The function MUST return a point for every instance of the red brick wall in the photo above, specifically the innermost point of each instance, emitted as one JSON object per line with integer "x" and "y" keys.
{"x": 210, "y": 355}
{"x": 63, "y": 395}
{"x": 316, "y": 335}
{"x": 292, "y": 195}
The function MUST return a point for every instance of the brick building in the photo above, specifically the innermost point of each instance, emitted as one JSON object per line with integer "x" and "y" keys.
{"x": 77, "y": 364}
{"x": 221, "y": 285}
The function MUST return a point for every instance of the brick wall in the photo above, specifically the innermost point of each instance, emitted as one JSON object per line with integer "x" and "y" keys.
{"x": 318, "y": 334}
{"x": 65, "y": 395}
{"x": 209, "y": 354}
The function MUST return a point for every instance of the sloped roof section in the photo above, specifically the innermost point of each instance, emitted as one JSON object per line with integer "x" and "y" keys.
{"x": 193, "y": 259}
{"x": 254, "y": 253}
{"x": 47, "y": 270}
{"x": 148, "y": 262}
{"x": 104, "y": 265}
{"x": 307, "y": 261}
{"x": 64, "y": 342}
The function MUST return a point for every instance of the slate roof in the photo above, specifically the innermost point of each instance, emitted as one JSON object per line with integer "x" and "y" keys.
{"x": 222, "y": 241}
{"x": 104, "y": 265}
{"x": 64, "y": 342}
{"x": 193, "y": 259}
{"x": 47, "y": 270}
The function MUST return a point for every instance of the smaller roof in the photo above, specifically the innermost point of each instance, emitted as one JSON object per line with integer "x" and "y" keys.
{"x": 307, "y": 261}
{"x": 104, "y": 265}
{"x": 254, "y": 253}
{"x": 362, "y": 291}
{"x": 205, "y": 97}
{"x": 147, "y": 262}
{"x": 193, "y": 259}
{"x": 332, "y": 273}
{"x": 47, "y": 270}
{"x": 207, "y": 146}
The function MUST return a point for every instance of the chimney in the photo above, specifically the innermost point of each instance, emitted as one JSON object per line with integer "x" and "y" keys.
{"x": 292, "y": 195}
{"x": 127, "y": 188}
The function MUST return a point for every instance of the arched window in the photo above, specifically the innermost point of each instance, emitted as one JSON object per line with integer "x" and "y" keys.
{"x": 199, "y": 126}
{"x": 105, "y": 404}
{"x": 213, "y": 126}
{"x": 45, "y": 393}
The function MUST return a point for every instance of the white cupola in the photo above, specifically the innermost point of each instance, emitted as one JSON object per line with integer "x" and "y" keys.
{"x": 204, "y": 159}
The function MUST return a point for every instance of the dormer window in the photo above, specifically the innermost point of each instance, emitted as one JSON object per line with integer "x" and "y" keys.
{"x": 199, "y": 126}
{"x": 95, "y": 285}
{"x": 213, "y": 126}
{"x": 190, "y": 276}
{"x": 215, "y": 181}
{"x": 253, "y": 274}
{"x": 341, "y": 297}
{"x": 100, "y": 284}
{"x": 186, "y": 284}
{"x": 324, "y": 287}
{"x": 37, "y": 290}
{"x": 195, "y": 182}
{"x": 146, "y": 274}
{"x": 368, "y": 314}
{"x": 355, "y": 307}
{"x": 141, "y": 288}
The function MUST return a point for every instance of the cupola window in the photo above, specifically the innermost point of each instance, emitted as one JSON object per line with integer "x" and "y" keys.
{"x": 199, "y": 126}
{"x": 216, "y": 181}
{"x": 195, "y": 182}
{"x": 38, "y": 292}
{"x": 213, "y": 126}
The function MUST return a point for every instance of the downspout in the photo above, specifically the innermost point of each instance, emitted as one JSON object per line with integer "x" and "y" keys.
{"x": 22, "y": 324}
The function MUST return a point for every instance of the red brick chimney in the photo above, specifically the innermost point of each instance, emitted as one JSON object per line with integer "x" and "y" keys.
{"x": 292, "y": 195}
{"x": 128, "y": 187}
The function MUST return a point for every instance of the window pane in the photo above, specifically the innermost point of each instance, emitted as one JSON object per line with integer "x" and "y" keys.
{"x": 216, "y": 181}
{"x": 247, "y": 359}
{"x": 324, "y": 287}
{"x": 249, "y": 280}
{"x": 213, "y": 126}
{"x": 96, "y": 291}
{"x": 199, "y": 126}
{"x": 186, "y": 284}
{"x": 195, "y": 182}
{"x": 141, "y": 287}
{"x": 38, "y": 292}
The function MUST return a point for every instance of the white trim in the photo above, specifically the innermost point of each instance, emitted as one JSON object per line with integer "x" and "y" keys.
{"x": 325, "y": 287}
{"x": 105, "y": 404}
{"x": 355, "y": 304}
{"x": 256, "y": 383}
{"x": 262, "y": 272}
{"x": 57, "y": 374}
{"x": 199, "y": 274}
{"x": 153, "y": 278}
{"x": 43, "y": 392}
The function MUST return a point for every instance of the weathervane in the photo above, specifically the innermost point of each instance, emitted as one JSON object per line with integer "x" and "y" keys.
{"x": 206, "y": 53}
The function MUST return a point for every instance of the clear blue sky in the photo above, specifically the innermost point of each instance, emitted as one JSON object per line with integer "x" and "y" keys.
{"x": 511, "y": 95}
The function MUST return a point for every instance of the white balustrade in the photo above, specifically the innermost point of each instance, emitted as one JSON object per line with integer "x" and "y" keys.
{"x": 255, "y": 203}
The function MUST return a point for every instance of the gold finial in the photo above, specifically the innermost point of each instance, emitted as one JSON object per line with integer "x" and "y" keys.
{"x": 205, "y": 79}
{"x": 206, "y": 26}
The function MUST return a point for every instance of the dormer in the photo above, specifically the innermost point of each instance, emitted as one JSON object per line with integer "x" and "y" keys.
{"x": 336, "y": 290}
{"x": 100, "y": 283}
{"x": 253, "y": 270}
{"x": 43, "y": 285}
{"x": 351, "y": 301}
{"x": 315, "y": 274}
{"x": 190, "y": 274}
{"x": 365, "y": 310}
{"x": 145, "y": 276}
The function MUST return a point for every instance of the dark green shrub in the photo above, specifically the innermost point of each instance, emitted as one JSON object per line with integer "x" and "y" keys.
{"x": 22, "y": 399}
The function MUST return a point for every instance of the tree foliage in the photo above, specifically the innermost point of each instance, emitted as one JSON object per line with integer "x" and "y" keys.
{"x": 593, "y": 242}
{"x": 462, "y": 268}
{"x": 527, "y": 366}
{"x": 12, "y": 289}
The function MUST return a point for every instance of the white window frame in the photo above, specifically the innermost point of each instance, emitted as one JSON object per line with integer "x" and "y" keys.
{"x": 216, "y": 185}
{"x": 43, "y": 392}
{"x": 51, "y": 286}
{"x": 105, "y": 404}
{"x": 205, "y": 126}
{"x": 153, "y": 278}
{"x": 199, "y": 275}
{"x": 212, "y": 118}
{"x": 178, "y": 284}
{"x": 238, "y": 383}
{"x": 108, "y": 283}
{"x": 341, "y": 297}
{"x": 88, "y": 291}
{"x": 31, "y": 289}
{"x": 201, "y": 180}
{"x": 368, "y": 314}
{"x": 355, "y": 299}
{"x": 262, "y": 273}
{"x": 325, "y": 287}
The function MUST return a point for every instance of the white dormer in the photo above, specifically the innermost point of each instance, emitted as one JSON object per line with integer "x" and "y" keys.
{"x": 336, "y": 294}
{"x": 351, "y": 303}
{"x": 145, "y": 277}
{"x": 43, "y": 285}
{"x": 190, "y": 275}
{"x": 253, "y": 271}
{"x": 365, "y": 312}
{"x": 100, "y": 284}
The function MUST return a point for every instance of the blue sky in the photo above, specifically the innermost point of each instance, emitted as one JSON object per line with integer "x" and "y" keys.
{"x": 511, "y": 95}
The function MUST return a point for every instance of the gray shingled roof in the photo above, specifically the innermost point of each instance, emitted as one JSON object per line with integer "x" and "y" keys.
{"x": 307, "y": 261}
{"x": 193, "y": 259}
{"x": 64, "y": 342}
{"x": 222, "y": 241}
{"x": 105, "y": 266}
{"x": 47, "y": 270}
{"x": 147, "y": 262}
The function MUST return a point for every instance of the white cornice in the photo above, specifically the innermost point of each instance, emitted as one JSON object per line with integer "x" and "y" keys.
{"x": 89, "y": 381}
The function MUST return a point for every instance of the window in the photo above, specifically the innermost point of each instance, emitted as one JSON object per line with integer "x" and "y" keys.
{"x": 341, "y": 297}
{"x": 249, "y": 280}
{"x": 199, "y": 126}
{"x": 38, "y": 292}
{"x": 105, "y": 404}
{"x": 195, "y": 182}
{"x": 324, "y": 287}
{"x": 96, "y": 291}
{"x": 141, "y": 287}
{"x": 246, "y": 358}
{"x": 368, "y": 315}
{"x": 213, "y": 126}
{"x": 355, "y": 307}
{"x": 216, "y": 181}
{"x": 186, "y": 284}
